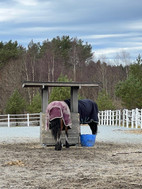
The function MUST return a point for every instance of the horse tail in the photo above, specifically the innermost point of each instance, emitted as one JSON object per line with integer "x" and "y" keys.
{"x": 55, "y": 126}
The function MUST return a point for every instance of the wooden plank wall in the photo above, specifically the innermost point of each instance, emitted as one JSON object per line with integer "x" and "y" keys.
{"x": 47, "y": 139}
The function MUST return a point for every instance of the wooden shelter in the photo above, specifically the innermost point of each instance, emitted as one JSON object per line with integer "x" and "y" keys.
{"x": 45, "y": 136}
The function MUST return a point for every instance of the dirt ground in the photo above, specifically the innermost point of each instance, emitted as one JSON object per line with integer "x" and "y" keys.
{"x": 29, "y": 165}
{"x": 139, "y": 132}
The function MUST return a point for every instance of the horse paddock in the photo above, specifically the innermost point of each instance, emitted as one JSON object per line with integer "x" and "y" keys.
{"x": 106, "y": 165}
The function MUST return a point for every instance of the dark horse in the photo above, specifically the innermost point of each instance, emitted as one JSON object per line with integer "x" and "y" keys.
{"x": 58, "y": 119}
{"x": 88, "y": 111}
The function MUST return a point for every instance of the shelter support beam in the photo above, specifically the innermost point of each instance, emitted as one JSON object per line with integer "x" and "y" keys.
{"x": 74, "y": 99}
{"x": 44, "y": 93}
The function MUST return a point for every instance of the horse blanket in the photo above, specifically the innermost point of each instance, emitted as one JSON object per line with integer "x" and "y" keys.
{"x": 58, "y": 109}
{"x": 87, "y": 109}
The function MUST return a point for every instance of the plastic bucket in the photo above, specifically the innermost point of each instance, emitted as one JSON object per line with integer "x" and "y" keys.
{"x": 87, "y": 140}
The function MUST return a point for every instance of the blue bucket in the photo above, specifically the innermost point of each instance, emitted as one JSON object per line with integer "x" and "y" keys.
{"x": 87, "y": 140}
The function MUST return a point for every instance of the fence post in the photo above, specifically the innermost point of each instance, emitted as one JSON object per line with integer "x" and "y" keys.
{"x": 8, "y": 120}
{"x": 110, "y": 117}
{"x": 127, "y": 119}
{"x": 132, "y": 119}
{"x": 107, "y": 118}
{"x": 102, "y": 117}
{"x": 141, "y": 118}
{"x": 28, "y": 121}
{"x": 98, "y": 118}
{"x": 123, "y": 118}
{"x": 119, "y": 117}
{"x": 136, "y": 118}
{"x": 113, "y": 117}
{"x": 116, "y": 116}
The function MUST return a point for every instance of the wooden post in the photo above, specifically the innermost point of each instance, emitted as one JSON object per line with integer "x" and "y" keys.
{"x": 74, "y": 99}
{"x": 99, "y": 117}
{"x": 43, "y": 132}
{"x": 132, "y": 119}
{"x": 137, "y": 117}
{"x": 119, "y": 118}
{"x": 123, "y": 118}
{"x": 110, "y": 117}
{"x": 102, "y": 118}
{"x": 141, "y": 118}
{"x": 127, "y": 119}
{"x": 44, "y": 99}
{"x": 8, "y": 120}
{"x": 28, "y": 120}
{"x": 113, "y": 118}
{"x": 107, "y": 117}
{"x": 116, "y": 117}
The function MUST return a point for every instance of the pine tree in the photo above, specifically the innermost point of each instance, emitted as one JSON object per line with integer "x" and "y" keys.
{"x": 15, "y": 104}
{"x": 104, "y": 102}
{"x": 130, "y": 90}
{"x": 60, "y": 93}
{"x": 35, "y": 106}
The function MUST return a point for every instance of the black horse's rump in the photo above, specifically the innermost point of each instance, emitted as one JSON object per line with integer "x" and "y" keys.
{"x": 88, "y": 111}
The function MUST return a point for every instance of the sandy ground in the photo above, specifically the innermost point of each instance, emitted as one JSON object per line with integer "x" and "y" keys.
{"x": 106, "y": 165}
{"x": 114, "y": 162}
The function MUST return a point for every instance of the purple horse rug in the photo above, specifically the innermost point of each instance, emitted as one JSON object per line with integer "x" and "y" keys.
{"x": 58, "y": 109}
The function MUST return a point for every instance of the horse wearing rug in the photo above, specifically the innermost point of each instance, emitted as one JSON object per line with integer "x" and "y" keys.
{"x": 88, "y": 111}
{"x": 58, "y": 119}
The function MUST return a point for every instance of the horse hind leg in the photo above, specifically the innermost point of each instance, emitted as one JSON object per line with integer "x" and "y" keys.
{"x": 66, "y": 138}
{"x": 93, "y": 127}
{"x": 56, "y": 132}
{"x": 58, "y": 145}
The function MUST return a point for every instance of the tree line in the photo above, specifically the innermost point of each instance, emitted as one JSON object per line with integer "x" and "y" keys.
{"x": 65, "y": 58}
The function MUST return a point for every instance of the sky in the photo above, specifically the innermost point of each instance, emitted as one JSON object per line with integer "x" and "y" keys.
{"x": 112, "y": 27}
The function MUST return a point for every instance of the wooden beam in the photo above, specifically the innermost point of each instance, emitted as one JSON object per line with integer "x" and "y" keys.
{"x": 58, "y": 84}
{"x": 74, "y": 99}
{"x": 44, "y": 93}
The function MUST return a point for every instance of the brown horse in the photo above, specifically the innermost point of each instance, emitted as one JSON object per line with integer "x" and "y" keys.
{"x": 57, "y": 126}
{"x": 58, "y": 119}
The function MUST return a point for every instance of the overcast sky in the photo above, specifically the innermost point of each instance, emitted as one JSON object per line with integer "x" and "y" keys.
{"x": 110, "y": 26}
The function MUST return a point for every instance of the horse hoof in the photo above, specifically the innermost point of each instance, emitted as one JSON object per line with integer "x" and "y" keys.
{"x": 67, "y": 145}
{"x": 58, "y": 147}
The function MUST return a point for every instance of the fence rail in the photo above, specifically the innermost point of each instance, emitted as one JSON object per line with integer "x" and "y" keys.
{"x": 11, "y": 120}
{"x": 124, "y": 118}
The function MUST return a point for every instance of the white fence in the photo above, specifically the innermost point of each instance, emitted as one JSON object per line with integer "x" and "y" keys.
{"x": 124, "y": 118}
{"x": 11, "y": 120}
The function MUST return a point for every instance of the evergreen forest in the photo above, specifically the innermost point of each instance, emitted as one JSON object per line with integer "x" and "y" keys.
{"x": 65, "y": 59}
